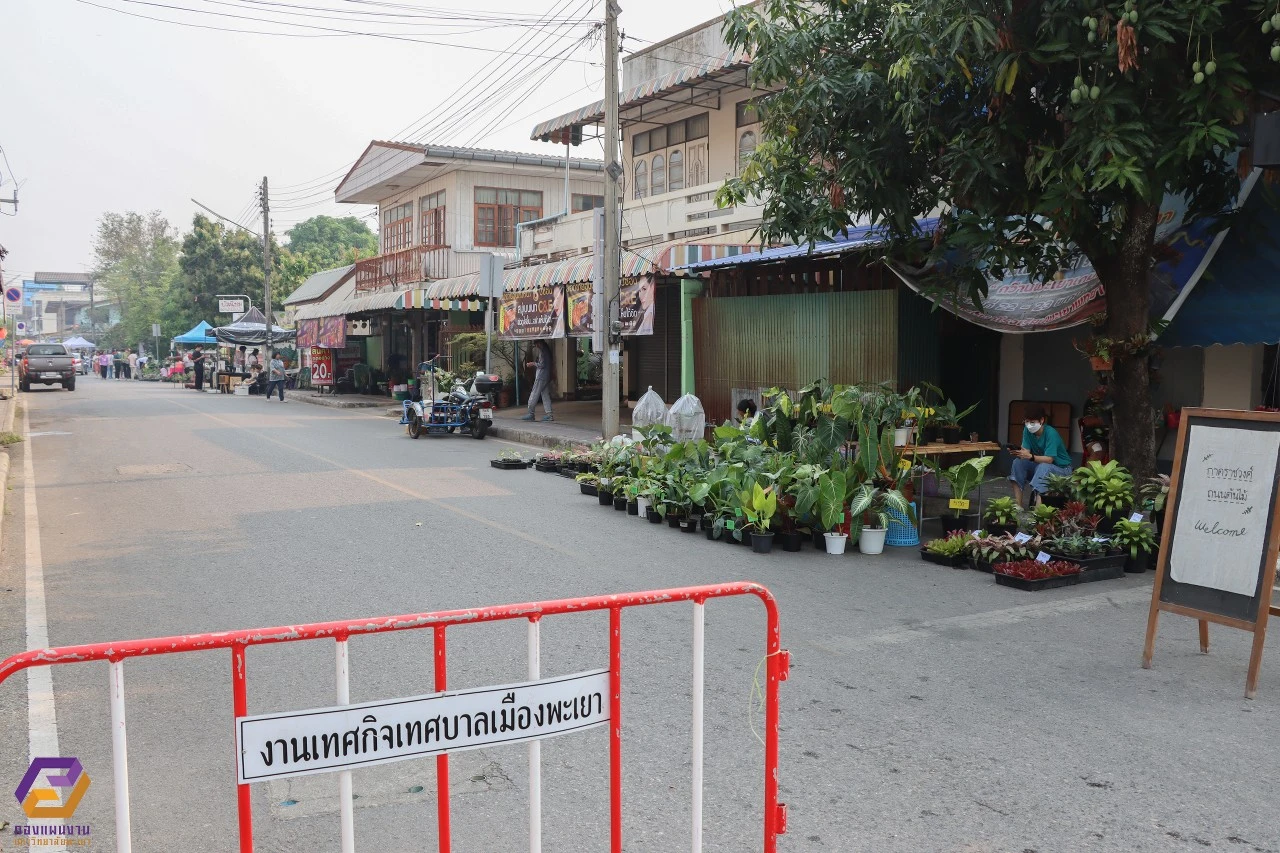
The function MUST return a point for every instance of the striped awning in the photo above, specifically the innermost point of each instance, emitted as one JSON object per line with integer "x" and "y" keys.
{"x": 682, "y": 77}
{"x": 354, "y": 305}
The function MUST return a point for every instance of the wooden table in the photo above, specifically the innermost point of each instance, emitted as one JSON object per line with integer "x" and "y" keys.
{"x": 941, "y": 450}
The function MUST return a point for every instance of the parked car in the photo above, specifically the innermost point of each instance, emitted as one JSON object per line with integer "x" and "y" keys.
{"x": 47, "y": 364}
{"x": 77, "y": 360}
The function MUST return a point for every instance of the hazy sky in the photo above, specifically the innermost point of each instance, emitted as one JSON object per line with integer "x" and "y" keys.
{"x": 107, "y": 112}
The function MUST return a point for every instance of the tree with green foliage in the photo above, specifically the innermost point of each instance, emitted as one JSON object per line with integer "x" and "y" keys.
{"x": 1041, "y": 131}
{"x": 136, "y": 262}
{"x": 332, "y": 242}
{"x": 219, "y": 259}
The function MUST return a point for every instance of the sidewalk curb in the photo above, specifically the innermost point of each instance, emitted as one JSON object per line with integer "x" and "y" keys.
{"x": 335, "y": 403}
{"x": 538, "y": 438}
{"x": 5, "y": 459}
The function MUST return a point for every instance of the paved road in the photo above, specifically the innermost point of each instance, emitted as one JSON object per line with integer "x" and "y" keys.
{"x": 927, "y": 709}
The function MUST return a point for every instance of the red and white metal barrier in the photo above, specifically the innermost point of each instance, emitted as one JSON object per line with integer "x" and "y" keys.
{"x": 777, "y": 670}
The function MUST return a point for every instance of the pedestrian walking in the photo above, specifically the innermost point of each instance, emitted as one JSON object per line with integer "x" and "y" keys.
{"x": 541, "y": 380}
{"x": 275, "y": 376}
{"x": 197, "y": 362}
{"x": 104, "y": 364}
{"x": 132, "y": 365}
{"x": 117, "y": 364}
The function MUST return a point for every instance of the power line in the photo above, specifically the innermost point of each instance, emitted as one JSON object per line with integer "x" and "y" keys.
{"x": 328, "y": 32}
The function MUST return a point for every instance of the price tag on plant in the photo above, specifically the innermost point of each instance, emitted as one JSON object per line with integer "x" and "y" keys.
{"x": 1099, "y": 539}
{"x": 1042, "y": 557}
{"x": 729, "y": 525}
{"x": 1022, "y": 538}
{"x": 959, "y": 503}
{"x": 1136, "y": 517}
{"x": 975, "y": 534}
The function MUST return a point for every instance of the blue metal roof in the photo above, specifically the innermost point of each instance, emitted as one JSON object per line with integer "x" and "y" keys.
{"x": 853, "y": 239}
{"x": 1238, "y": 299}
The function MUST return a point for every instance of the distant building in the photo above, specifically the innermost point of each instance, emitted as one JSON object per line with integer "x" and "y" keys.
{"x": 58, "y": 304}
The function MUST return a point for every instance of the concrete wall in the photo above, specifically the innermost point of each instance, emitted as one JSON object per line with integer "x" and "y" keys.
{"x": 1232, "y": 377}
{"x": 691, "y": 47}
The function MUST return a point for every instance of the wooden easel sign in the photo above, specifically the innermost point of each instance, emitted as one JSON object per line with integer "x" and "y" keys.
{"x": 1221, "y": 533}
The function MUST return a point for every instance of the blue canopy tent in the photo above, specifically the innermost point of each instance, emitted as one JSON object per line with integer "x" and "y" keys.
{"x": 199, "y": 334}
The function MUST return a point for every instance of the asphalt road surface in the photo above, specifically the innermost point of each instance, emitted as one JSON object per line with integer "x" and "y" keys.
{"x": 927, "y": 708}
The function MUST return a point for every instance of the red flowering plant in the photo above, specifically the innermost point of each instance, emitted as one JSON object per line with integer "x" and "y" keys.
{"x": 1034, "y": 570}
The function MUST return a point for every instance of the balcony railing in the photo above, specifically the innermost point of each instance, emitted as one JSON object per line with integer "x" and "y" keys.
{"x": 406, "y": 266}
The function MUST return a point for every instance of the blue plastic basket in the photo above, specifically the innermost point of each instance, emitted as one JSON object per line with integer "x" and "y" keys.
{"x": 902, "y": 533}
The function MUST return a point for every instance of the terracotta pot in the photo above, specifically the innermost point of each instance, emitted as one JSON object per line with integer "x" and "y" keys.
{"x": 1099, "y": 364}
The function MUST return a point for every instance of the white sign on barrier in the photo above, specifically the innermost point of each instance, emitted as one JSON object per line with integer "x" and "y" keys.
{"x": 301, "y": 743}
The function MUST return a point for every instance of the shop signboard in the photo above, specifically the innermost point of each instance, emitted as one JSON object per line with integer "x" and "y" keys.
{"x": 321, "y": 366}
{"x": 578, "y": 309}
{"x": 636, "y": 306}
{"x": 308, "y": 333}
{"x": 532, "y": 314}
{"x": 332, "y": 332}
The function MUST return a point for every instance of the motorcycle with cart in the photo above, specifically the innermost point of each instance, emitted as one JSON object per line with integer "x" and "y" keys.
{"x": 464, "y": 409}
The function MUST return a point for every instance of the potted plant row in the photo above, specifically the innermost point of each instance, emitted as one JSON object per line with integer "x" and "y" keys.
{"x": 1033, "y": 575}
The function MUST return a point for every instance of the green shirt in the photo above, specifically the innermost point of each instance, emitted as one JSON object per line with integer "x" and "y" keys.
{"x": 1047, "y": 443}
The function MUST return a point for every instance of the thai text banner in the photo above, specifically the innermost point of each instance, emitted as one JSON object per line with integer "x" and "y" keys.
{"x": 301, "y": 743}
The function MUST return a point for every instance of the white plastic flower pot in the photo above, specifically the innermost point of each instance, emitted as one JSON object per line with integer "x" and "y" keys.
{"x": 836, "y": 542}
{"x": 872, "y": 540}
{"x": 901, "y": 435}
{"x": 643, "y": 506}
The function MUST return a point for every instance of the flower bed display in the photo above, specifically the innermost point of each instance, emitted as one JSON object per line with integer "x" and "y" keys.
{"x": 1034, "y": 575}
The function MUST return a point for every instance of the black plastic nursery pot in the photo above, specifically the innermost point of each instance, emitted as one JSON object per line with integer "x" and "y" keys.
{"x": 712, "y": 535}
{"x": 654, "y": 516}
{"x": 819, "y": 539}
{"x": 952, "y": 523}
{"x": 1037, "y": 584}
{"x": 762, "y": 543}
{"x": 1137, "y": 565}
{"x": 606, "y": 497}
{"x": 507, "y": 464}
{"x": 791, "y": 541}
{"x": 929, "y": 435}
{"x": 673, "y": 520}
{"x": 588, "y": 489}
{"x": 955, "y": 561}
{"x": 689, "y": 525}
{"x": 950, "y": 435}
{"x": 633, "y": 508}
{"x": 547, "y": 467}
{"x": 1001, "y": 529}
{"x": 620, "y": 503}
{"x": 1105, "y": 561}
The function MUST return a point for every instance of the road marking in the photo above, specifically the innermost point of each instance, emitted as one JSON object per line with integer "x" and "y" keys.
{"x": 925, "y": 631}
{"x": 479, "y": 519}
{"x": 42, "y": 715}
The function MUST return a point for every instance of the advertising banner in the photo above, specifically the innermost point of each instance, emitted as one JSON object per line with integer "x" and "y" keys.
{"x": 308, "y": 333}
{"x": 321, "y": 366}
{"x": 635, "y": 309}
{"x": 532, "y": 314}
{"x": 332, "y": 332}
{"x": 581, "y": 317}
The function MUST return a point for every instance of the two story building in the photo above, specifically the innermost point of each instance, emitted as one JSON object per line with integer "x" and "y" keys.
{"x": 441, "y": 209}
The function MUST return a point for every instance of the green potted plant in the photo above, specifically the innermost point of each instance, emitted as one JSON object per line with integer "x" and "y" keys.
{"x": 1098, "y": 350}
{"x": 963, "y": 479}
{"x": 1059, "y": 490}
{"x": 1155, "y": 493}
{"x": 948, "y": 420}
{"x": 832, "y": 511}
{"x": 871, "y": 504}
{"x": 759, "y": 506}
{"x": 590, "y": 483}
{"x": 1001, "y": 516}
{"x": 948, "y": 551}
{"x": 1138, "y": 539}
{"x": 1106, "y": 489}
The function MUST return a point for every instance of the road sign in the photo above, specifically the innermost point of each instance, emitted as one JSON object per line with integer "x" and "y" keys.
{"x": 13, "y": 294}
{"x": 155, "y": 330}
{"x": 344, "y": 737}
{"x": 230, "y": 306}
{"x": 22, "y": 327}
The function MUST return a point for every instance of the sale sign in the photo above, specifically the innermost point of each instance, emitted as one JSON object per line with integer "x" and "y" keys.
{"x": 321, "y": 366}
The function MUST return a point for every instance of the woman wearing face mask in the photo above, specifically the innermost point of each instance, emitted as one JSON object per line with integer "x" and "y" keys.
{"x": 1042, "y": 453}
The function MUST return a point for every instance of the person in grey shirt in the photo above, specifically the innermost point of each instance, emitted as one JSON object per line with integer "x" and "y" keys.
{"x": 541, "y": 380}
{"x": 275, "y": 376}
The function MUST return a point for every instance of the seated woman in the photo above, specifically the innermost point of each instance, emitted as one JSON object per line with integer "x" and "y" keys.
{"x": 1042, "y": 453}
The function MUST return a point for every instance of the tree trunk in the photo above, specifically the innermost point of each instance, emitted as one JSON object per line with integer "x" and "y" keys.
{"x": 1126, "y": 279}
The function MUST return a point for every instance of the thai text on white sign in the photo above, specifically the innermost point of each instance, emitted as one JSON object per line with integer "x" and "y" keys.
{"x": 1226, "y": 489}
{"x": 300, "y": 743}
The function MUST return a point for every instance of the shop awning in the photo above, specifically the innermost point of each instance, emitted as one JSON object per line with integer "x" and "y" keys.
{"x": 355, "y": 305}
{"x": 853, "y": 239}
{"x": 1238, "y": 299}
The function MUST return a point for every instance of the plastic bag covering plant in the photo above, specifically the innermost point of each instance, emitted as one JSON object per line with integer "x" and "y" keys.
{"x": 687, "y": 418}
{"x": 951, "y": 546}
{"x": 1033, "y": 570}
{"x": 650, "y": 409}
{"x": 1134, "y": 536}
{"x": 962, "y": 478}
{"x": 1001, "y": 511}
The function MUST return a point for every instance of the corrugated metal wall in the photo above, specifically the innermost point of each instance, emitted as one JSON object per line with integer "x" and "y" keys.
{"x": 919, "y": 351}
{"x": 789, "y": 341}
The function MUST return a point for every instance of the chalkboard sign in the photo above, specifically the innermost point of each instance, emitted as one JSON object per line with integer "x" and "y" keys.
{"x": 1219, "y": 546}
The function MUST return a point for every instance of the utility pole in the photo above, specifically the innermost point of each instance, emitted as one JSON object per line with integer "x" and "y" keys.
{"x": 266, "y": 266}
{"x": 612, "y": 360}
